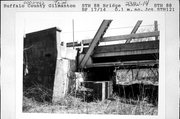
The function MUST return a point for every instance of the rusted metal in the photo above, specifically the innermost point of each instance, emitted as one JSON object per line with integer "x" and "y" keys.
{"x": 119, "y": 37}
{"x": 94, "y": 43}
{"x": 134, "y": 30}
{"x": 129, "y": 63}
{"x": 137, "y": 46}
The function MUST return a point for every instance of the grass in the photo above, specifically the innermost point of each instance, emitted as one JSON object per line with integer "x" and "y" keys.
{"x": 72, "y": 105}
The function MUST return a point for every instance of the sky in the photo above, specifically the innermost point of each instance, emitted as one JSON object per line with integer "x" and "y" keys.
{"x": 86, "y": 24}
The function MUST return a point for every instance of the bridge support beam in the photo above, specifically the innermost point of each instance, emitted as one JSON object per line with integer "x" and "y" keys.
{"x": 94, "y": 43}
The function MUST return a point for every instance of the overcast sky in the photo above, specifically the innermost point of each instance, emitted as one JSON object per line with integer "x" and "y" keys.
{"x": 86, "y": 24}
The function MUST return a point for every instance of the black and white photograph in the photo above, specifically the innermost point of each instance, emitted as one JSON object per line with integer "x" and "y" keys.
{"x": 90, "y": 59}
{"x": 91, "y": 66}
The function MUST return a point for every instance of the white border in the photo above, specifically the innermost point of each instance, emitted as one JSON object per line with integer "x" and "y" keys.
{"x": 8, "y": 80}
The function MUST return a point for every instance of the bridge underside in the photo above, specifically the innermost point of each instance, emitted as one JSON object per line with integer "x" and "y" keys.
{"x": 126, "y": 64}
{"x": 131, "y": 55}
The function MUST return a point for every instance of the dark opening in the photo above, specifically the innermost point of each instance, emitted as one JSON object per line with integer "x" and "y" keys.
{"x": 48, "y": 55}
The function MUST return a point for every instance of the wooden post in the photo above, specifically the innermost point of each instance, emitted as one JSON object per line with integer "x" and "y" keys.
{"x": 103, "y": 90}
{"x": 156, "y": 28}
{"x": 110, "y": 88}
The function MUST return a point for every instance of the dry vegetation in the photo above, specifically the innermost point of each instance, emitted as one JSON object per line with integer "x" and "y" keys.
{"x": 73, "y": 105}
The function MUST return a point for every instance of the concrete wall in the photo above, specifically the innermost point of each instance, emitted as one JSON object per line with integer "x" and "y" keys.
{"x": 40, "y": 53}
{"x": 62, "y": 79}
{"x": 145, "y": 75}
{"x": 48, "y": 63}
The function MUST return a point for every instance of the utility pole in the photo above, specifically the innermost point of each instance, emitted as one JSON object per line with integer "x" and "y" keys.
{"x": 73, "y": 31}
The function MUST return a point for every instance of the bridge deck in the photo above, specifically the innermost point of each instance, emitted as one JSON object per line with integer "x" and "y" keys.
{"x": 125, "y": 54}
{"x": 148, "y": 63}
{"x": 148, "y": 47}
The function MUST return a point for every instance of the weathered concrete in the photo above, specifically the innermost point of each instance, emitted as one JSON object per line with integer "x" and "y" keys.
{"x": 65, "y": 64}
{"x": 47, "y": 63}
{"x": 101, "y": 90}
{"x": 40, "y": 58}
{"x": 61, "y": 80}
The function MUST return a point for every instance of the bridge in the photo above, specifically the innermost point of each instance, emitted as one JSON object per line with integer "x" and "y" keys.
{"x": 126, "y": 54}
{"x": 98, "y": 58}
{"x": 136, "y": 62}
